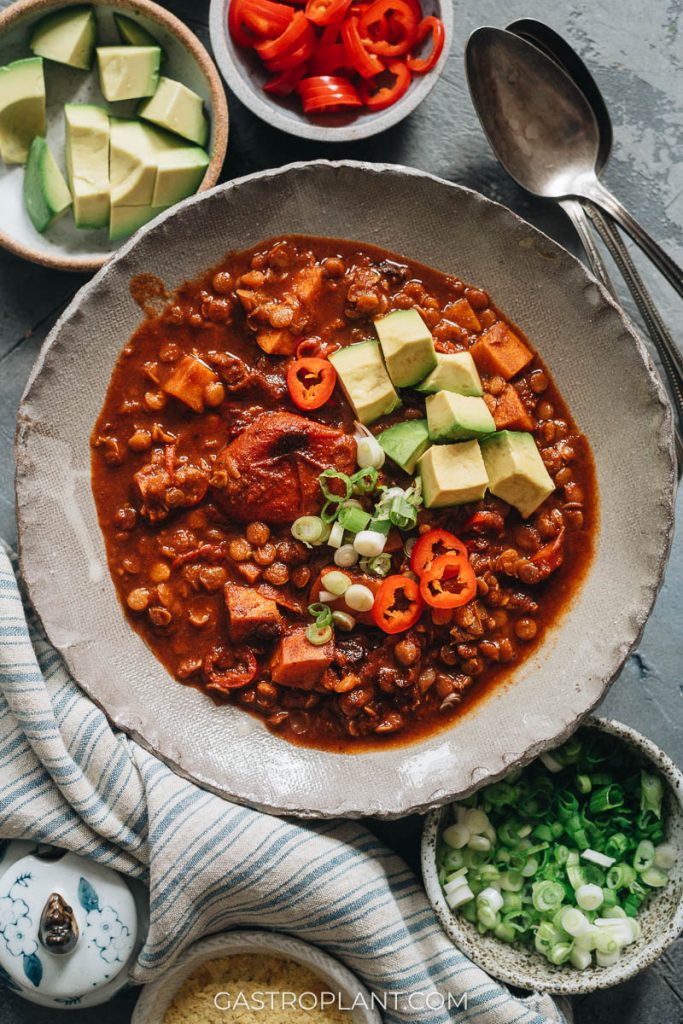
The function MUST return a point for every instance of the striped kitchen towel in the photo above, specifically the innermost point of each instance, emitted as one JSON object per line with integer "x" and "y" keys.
{"x": 68, "y": 779}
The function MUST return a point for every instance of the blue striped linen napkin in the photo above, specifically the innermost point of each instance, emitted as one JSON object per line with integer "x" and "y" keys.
{"x": 68, "y": 779}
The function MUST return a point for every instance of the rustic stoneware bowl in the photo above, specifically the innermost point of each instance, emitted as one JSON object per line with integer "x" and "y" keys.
{"x": 661, "y": 918}
{"x": 599, "y": 364}
{"x": 246, "y": 76}
{"x": 156, "y": 998}
{"x": 64, "y": 246}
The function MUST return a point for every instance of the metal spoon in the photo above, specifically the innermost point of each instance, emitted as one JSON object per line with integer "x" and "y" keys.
{"x": 562, "y": 53}
{"x": 543, "y": 130}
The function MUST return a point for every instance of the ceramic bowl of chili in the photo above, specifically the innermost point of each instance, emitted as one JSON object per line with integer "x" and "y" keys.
{"x": 331, "y": 70}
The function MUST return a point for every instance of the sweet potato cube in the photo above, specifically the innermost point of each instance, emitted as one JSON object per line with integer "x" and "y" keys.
{"x": 251, "y": 615}
{"x": 299, "y": 663}
{"x": 307, "y": 284}
{"x": 277, "y": 343}
{"x": 510, "y": 413}
{"x": 187, "y": 382}
{"x": 500, "y": 352}
{"x": 461, "y": 313}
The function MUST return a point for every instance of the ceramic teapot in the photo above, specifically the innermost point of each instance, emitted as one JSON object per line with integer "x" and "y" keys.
{"x": 69, "y": 928}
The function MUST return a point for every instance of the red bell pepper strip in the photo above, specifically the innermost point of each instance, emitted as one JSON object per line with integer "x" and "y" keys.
{"x": 421, "y": 65}
{"x": 398, "y": 604}
{"x": 311, "y": 382}
{"x": 242, "y": 669}
{"x": 388, "y": 94}
{"x": 322, "y": 12}
{"x": 404, "y": 22}
{"x": 449, "y": 582}
{"x": 433, "y": 544}
{"x": 367, "y": 64}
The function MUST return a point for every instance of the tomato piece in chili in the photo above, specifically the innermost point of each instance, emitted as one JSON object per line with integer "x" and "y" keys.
{"x": 227, "y": 670}
{"x": 387, "y": 95}
{"x": 311, "y": 382}
{"x": 403, "y": 22}
{"x": 398, "y": 604}
{"x": 433, "y": 544}
{"x": 448, "y": 582}
{"x": 421, "y": 65}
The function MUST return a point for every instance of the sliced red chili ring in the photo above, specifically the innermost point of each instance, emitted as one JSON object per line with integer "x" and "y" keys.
{"x": 398, "y": 604}
{"x": 325, "y": 91}
{"x": 240, "y": 668}
{"x": 331, "y": 32}
{"x": 403, "y": 19}
{"x": 433, "y": 544}
{"x": 421, "y": 65}
{"x": 235, "y": 24}
{"x": 285, "y": 82}
{"x": 295, "y": 57}
{"x": 449, "y": 582}
{"x": 367, "y": 64}
{"x": 265, "y": 19}
{"x": 322, "y": 12}
{"x": 293, "y": 36}
{"x": 387, "y": 95}
{"x": 328, "y": 59}
{"x": 311, "y": 382}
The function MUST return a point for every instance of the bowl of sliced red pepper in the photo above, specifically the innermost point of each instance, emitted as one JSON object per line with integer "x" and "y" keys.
{"x": 331, "y": 70}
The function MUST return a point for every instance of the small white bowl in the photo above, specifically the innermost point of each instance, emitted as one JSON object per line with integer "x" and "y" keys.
{"x": 157, "y": 997}
{"x": 661, "y": 918}
{"x": 245, "y": 75}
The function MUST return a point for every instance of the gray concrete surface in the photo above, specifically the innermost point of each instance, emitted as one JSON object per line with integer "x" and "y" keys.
{"x": 636, "y": 53}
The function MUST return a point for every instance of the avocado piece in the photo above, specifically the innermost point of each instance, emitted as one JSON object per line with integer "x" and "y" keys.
{"x": 454, "y": 371}
{"x": 177, "y": 108}
{"x": 132, "y": 163}
{"x": 87, "y": 163}
{"x": 46, "y": 195}
{"x": 364, "y": 378}
{"x": 128, "y": 72}
{"x": 405, "y": 442}
{"x": 132, "y": 33}
{"x": 180, "y": 172}
{"x": 453, "y": 417}
{"x": 125, "y": 220}
{"x": 407, "y": 345}
{"x": 516, "y": 470}
{"x": 67, "y": 37}
{"x": 452, "y": 474}
{"x": 22, "y": 108}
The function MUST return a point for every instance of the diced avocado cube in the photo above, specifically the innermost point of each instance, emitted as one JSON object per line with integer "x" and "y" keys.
{"x": 407, "y": 345}
{"x": 125, "y": 220}
{"x": 87, "y": 163}
{"x": 177, "y": 108}
{"x": 179, "y": 174}
{"x": 454, "y": 371}
{"x": 22, "y": 108}
{"x": 453, "y": 417}
{"x": 452, "y": 474}
{"x": 46, "y": 195}
{"x": 132, "y": 163}
{"x": 405, "y": 442}
{"x": 516, "y": 470}
{"x": 128, "y": 72}
{"x": 132, "y": 33}
{"x": 67, "y": 37}
{"x": 364, "y": 378}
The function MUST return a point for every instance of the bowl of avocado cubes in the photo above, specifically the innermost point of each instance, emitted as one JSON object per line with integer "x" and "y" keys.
{"x": 109, "y": 114}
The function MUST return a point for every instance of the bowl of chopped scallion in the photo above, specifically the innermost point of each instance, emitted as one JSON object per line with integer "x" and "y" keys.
{"x": 566, "y": 875}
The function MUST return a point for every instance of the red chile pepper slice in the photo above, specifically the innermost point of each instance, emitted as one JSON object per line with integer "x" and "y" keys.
{"x": 421, "y": 65}
{"x": 387, "y": 95}
{"x": 291, "y": 39}
{"x": 327, "y": 60}
{"x": 322, "y": 12}
{"x": 449, "y": 582}
{"x": 285, "y": 82}
{"x": 403, "y": 25}
{"x": 311, "y": 382}
{"x": 398, "y": 604}
{"x": 227, "y": 670}
{"x": 433, "y": 544}
{"x": 326, "y": 91}
{"x": 365, "y": 63}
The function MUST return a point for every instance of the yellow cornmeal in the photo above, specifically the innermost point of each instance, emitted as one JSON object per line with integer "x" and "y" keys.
{"x": 246, "y": 979}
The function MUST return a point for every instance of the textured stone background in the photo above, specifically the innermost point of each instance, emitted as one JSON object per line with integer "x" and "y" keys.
{"x": 636, "y": 53}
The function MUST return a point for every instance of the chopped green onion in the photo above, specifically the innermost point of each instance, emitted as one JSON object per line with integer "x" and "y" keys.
{"x": 666, "y": 856}
{"x": 589, "y": 897}
{"x": 343, "y": 621}
{"x": 644, "y": 857}
{"x": 308, "y": 529}
{"x": 584, "y": 783}
{"x": 402, "y": 513}
{"x": 319, "y": 635}
{"x": 369, "y": 543}
{"x": 547, "y": 895}
{"x": 654, "y": 877}
{"x": 595, "y": 857}
{"x": 330, "y": 511}
{"x": 456, "y": 836}
{"x": 336, "y": 538}
{"x": 353, "y": 519}
{"x": 345, "y": 556}
{"x": 651, "y": 793}
{"x": 620, "y": 876}
{"x": 359, "y": 598}
{"x": 334, "y": 474}
{"x": 336, "y": 582}
{"x": 365, "y": 480}
{"x": 606, "y": 799}
{"x": 379, "y": 565}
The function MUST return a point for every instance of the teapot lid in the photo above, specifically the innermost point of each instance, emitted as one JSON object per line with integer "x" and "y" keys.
{"x": 67, "y": 926}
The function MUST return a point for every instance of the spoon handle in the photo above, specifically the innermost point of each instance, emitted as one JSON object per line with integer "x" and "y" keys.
{"x": 579, "y": 218}
{"x": 669, "y": 354}
{"x": 596, "y": 192}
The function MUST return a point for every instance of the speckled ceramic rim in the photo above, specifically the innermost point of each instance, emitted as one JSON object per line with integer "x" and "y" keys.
{"x": 219, "y": 107}
{"x": 542, "y": 976}
{"x": 269, "y": 110}
{"x": 393, "y": 781}
{"x": 156, "y": 998}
